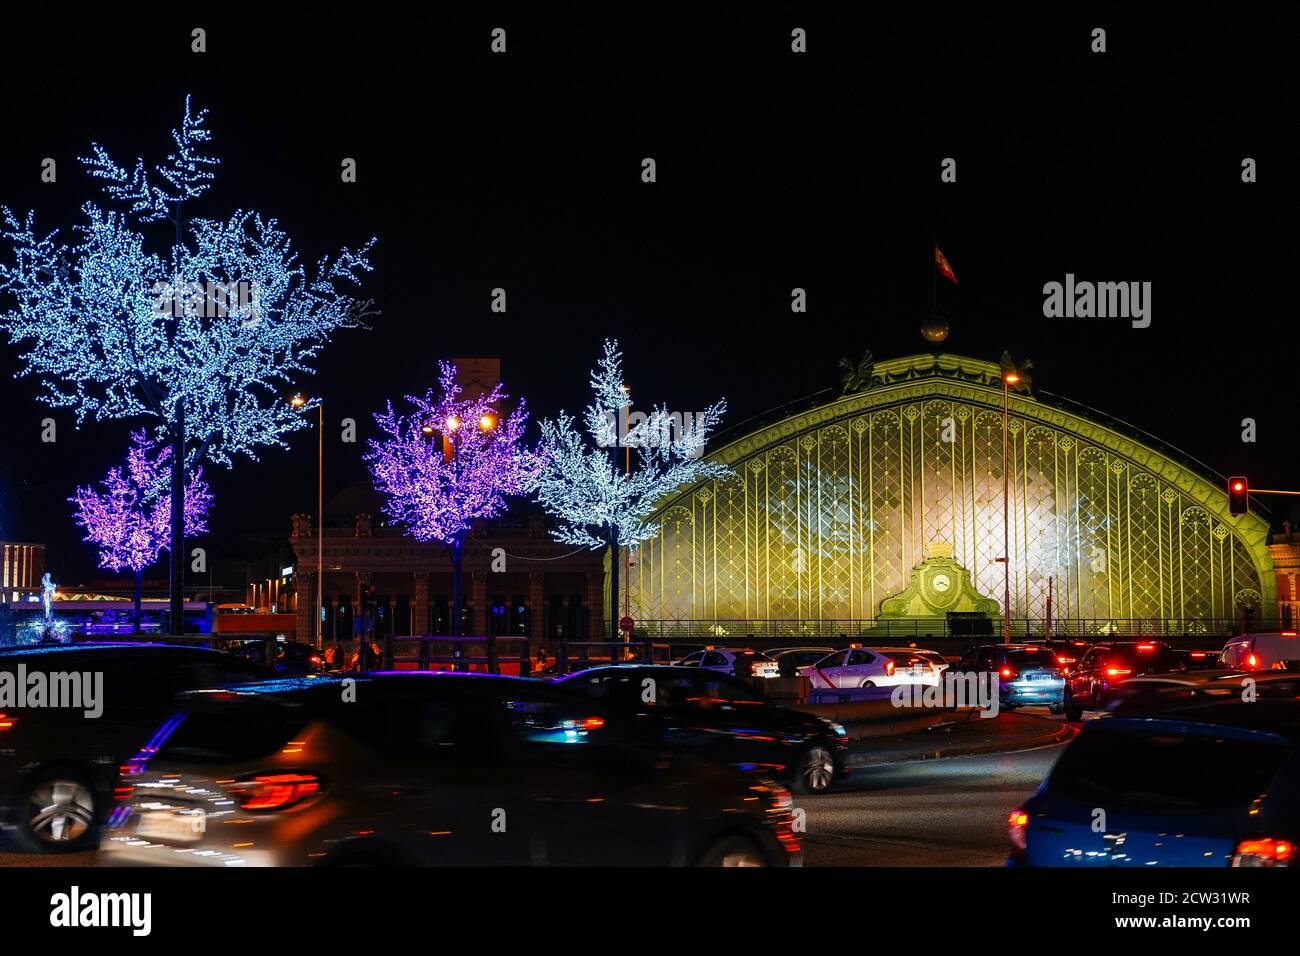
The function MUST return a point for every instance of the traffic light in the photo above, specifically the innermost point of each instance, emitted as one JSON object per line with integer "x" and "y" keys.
{"x": 1238, "y": 495}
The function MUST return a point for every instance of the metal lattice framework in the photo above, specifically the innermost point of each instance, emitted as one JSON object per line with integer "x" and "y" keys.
{"x": 827, "y": 512}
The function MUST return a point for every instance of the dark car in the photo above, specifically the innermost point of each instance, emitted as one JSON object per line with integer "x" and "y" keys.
{"x": 437, "y": 768}
{"x": 1068, "y": 651}
{"x": 1105, "y": 665}
{"x": 1199, "y": 660}
{"x": 723, "y": 719}
{"x": 1209, "y": 784}
{"x": 293, "y": 659}
{"x": 1160, "y": 693}
{"x": 790, "y": 659}
{"x": 59, "y": 767}
{"x": 1028, "y": 674}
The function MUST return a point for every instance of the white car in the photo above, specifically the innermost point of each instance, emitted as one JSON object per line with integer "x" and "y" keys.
{"x": 1262, "y": 652}
{"x": 872, "y": 667}
{"x": 739, "y": 661}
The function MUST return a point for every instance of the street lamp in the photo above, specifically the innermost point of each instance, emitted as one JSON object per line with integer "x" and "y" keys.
{"x": 1009, "y": 378}
{"x": 298, "y": 401}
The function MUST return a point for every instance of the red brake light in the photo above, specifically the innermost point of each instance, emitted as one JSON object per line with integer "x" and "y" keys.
{"x": 7, "y": 722}
{"x": 1263, "y": 852}
{"x": 274, "y": 791}
{"x": 1117, "y": 671}
{"x": 1017, "y": 822}
{"x": 1146, "y": 647}
{"x": 591, "y": 723}
{"x": 889, "y": 668}
{"x": 1008, "y": 672}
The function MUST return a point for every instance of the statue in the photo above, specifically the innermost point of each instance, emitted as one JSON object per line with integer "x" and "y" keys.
{"x": 856, "y": 378}
{"x": 48, "y": 587}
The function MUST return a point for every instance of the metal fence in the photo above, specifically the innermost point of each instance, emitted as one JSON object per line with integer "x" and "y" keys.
{"x": 875, "y": 629}
{"x": 490, "y": 655}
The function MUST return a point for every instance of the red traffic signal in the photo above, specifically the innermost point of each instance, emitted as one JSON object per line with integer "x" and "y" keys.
{"x": 1238, "y": 495}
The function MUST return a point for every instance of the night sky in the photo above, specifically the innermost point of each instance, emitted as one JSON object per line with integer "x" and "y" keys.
{"x": 775, "y": 170}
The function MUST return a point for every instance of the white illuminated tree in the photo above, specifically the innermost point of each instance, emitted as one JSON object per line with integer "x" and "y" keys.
{"x": 201, "y": 337}
{"x": 583, "y": 483}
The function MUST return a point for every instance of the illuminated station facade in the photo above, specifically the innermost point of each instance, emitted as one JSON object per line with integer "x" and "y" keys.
{"x": 881, "y": 511}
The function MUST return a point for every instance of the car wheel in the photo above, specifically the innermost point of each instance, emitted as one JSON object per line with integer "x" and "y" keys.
{"x": 1056, "y": 708}
{"x": 732, "y": 851}
{"x": 815, "y": 771}
{"x": 57, "y": 814}
{"x": 868, "y": 683}
{"x": 1072, "y": 710}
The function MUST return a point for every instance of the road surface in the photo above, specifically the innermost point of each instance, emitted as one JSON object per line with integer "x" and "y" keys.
{"x": 949, "y": 812}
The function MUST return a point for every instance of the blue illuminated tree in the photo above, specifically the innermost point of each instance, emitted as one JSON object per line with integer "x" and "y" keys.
{"x": 589, "y": 483}
{"x": 202, "y": 337}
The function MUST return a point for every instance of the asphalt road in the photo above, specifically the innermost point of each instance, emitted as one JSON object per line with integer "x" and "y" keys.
{"x": 949, "y": 812}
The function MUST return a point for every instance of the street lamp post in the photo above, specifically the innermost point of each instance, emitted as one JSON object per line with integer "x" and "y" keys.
{"x": 298, "y": 401}
{"x": 1008, "y": 379}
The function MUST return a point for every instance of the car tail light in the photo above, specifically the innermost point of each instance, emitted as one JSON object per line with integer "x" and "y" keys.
{"x": 1146, "y": 647}
{"x": 7, "y": 722}
{"x": 1252, "y": 661}
{"x": 1017, "y": 825}
{"x": 1117, "y": 671}
{"x": 1264, "y": 852}
{"x": 1008, "y": 672}
{"x": 889, "y": 668}
{"x": 274, "y": 791}
{"x": 590, "y": 723}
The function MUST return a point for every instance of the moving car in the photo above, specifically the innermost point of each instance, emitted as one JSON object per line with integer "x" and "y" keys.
{"x": 295, "y": 659}
{"x": 1156, "y": 693}
{"x": 1105, "y": 665}
{"x": 1198, "y": 660}
{"x": 857, "y": 666}
{"x": 1210, "y": 784}
{"x": 738, "y": 661}
{"x": 1262, "y": 652}
{"x": 58, "y": 766}
{"x": 724, "y": 719}
{"x": 440, "y": 768}
{"x": 790, "y": 659}
{"x": 1028, "y": 674}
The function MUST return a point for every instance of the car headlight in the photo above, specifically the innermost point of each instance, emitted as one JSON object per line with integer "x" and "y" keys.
{"x": 837, "y": 729}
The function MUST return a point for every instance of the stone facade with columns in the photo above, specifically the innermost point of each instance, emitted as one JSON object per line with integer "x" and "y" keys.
{"x": 516, "y": 580}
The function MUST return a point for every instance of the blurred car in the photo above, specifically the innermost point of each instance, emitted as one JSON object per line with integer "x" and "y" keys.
{"x": 857, "y": 666}
{"x": 1209, "y": 784}
{"x": 1262, "y": 652}
{"x": 433, "y": 768}
{"x": 1088, "y": 686}
{"x": 59, "y": 769}
{"x": 295, "y": 659}
{"x": 738, "y": 661}
{"x": 720, "y": 718}
{"x": 1156, "y": 693}
{"x": 1028, "y": 675}
{"x": 790, "y": 659}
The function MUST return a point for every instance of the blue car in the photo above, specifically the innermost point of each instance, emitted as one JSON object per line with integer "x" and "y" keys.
{"x": 1028, "y": 675}
{"x": 1207, "y": 785}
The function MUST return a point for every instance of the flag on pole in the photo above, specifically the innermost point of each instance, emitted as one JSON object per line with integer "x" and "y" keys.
{"x": 941, "y": 263}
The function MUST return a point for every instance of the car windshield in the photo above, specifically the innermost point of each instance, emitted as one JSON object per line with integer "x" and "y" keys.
{"x": 1038, "y": 658}
{"x": 1148, "y": 659}
{"x": 1171, "y": 771}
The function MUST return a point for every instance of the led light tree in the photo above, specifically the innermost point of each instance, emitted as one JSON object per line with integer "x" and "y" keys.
{"x": 202, "y": 337}
{"x": 582, "y": 482}
{"x": 449, "y": 462}
{"x": 129, "y": 516}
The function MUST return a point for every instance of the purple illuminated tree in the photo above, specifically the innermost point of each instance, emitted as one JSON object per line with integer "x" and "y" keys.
{"x": 129, "y": 518}
{"x": 449, "y": 462}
